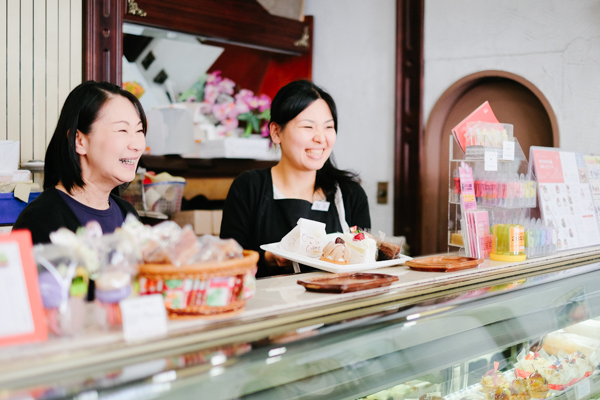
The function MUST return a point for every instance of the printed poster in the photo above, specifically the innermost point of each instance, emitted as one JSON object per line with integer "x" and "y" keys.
{"x": 566, "y": 201}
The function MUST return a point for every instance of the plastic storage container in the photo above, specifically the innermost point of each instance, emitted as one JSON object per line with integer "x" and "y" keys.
{"x": 11, "y": 207}
{"x": 164, "y": 197}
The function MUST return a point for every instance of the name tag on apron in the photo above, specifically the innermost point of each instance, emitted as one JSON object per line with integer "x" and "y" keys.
{"x": 320, "y": 206}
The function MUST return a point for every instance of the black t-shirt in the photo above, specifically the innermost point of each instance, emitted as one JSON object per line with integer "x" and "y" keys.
{"x": 109, "y": 219}
{"x": 49, "y": 211}
{"x": 253, "y": 217}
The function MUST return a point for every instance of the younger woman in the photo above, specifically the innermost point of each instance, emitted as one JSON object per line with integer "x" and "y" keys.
{"x": 264, "y": 205}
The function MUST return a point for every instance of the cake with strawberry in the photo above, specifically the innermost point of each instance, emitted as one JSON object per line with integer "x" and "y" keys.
{"x": 362, "y": 248}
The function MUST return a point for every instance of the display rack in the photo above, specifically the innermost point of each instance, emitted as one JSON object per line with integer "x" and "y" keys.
{"x": 502, "y": 208}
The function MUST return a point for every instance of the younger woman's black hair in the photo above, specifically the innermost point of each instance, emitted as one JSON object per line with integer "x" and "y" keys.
{"x": 79, "y": 112}
{"x": 290, "y": 101}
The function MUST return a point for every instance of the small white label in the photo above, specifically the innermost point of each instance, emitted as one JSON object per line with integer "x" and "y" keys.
{"x": 320, "y": 206}
{"x": 583, "y": 388}
{"x": 491, "y": 161}
{"x": 144, "y": 317}
{"x": 508, "y": 150}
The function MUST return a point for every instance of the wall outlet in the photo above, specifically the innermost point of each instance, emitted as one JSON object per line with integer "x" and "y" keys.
{"x": 382, "y": 192}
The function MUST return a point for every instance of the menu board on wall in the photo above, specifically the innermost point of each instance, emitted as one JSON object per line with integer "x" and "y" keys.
{"x": 21, "y": 307}
{"x": 566, "y": 200}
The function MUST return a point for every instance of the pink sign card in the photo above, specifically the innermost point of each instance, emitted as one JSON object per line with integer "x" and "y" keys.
{"x": 548, "y": 168}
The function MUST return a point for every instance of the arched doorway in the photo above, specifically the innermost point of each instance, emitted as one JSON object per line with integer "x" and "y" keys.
{"x": 514, "y": 100}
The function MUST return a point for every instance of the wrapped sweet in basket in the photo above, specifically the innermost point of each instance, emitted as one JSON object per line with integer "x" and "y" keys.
{"x": 204, "y": 289}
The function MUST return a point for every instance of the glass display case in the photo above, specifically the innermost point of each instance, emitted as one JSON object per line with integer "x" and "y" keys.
{"x": 388, "y": 346}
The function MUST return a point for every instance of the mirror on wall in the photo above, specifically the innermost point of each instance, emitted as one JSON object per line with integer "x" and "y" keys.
{"x": 164, "y": 63}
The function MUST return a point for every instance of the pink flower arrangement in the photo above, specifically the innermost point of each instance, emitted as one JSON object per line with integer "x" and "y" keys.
{"x": 233, "y": 114}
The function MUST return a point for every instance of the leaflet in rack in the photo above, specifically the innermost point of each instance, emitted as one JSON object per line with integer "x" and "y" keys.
{"x": 593, "y": 170}
{"x": 566, "y": 201}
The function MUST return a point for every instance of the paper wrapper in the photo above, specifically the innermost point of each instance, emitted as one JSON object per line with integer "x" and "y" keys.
{"x": 305, "y": 239}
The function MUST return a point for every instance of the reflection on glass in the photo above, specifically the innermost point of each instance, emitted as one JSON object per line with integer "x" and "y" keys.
{"x": 163, "y": 63}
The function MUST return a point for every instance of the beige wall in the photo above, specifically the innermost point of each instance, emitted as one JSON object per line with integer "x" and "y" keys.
{"x": 40, "y": 62}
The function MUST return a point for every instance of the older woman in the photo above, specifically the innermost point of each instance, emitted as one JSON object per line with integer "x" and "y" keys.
{"x": 263, "y": 205}
{"x": 98, "y": 141}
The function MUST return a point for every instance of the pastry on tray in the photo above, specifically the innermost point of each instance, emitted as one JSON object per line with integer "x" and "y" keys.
{"x": 431, "y": 396}
{"x": 538, "y": 386}
{"x": 363, "y": 249}
{"x": 519, "y": 390}
{"x": 336, "y": 252}
{"x": 500, "y": 393}
{"x": 492, "y": 380}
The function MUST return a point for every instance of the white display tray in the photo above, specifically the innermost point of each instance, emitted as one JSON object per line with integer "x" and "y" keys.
{"x": 330, "y": 267}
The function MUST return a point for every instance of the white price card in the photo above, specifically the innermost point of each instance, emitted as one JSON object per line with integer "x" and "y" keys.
{"x": 508, "y": 150}
{"x": 144, "y": 317}
{"x": 490, "y": 161}
{"x": 583, "y": 388}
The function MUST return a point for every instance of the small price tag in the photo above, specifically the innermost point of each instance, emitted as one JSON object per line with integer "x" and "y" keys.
{"x": 508, "y": 150}
{"x": 490, "y": 161}
{"x": 583, "y": 388}
{"x": 320, "y": 205}
{"x": 144, "y": 317}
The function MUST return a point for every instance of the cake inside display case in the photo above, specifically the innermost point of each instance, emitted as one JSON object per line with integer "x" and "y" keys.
{"x": 561, "y": 365}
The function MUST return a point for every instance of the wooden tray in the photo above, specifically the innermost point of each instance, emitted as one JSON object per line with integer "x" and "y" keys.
{"x": 347, "y": 282}
{"x": 443, "y": 263}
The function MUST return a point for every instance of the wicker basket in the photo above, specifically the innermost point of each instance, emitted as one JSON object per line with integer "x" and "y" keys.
{"x": 201, "y": 289}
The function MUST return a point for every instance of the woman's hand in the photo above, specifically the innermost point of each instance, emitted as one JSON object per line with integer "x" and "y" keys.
{"x": 273, "y": 260}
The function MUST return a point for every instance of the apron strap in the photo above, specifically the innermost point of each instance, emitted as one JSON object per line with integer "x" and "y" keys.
{"x": 339, "y": 204}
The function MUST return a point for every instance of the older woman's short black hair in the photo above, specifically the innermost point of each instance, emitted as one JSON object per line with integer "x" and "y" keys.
{"x": 79, "y": 112}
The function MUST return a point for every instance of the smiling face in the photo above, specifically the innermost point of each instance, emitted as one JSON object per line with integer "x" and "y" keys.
{"x": 110, "y": 152}
{"x": 307, "y": 140}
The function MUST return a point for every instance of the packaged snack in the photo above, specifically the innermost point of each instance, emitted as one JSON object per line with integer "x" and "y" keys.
{"x": 219, "y": 291}
{"x": 388, "y": 248}
{"x": 582, "y": 363}
{"x": 249, "y": 288}
{"x": 213, "y": 249}
{"x": 529, "y": 362}
{"x": 64, "y": 304}
{"x": 177, "y": 293}
{"x": 112, "y": 286}
{"x": 305, "y": 239}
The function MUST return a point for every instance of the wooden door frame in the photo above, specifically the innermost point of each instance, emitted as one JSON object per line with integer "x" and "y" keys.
{"x": 429, "y": 174}
{"x": 410, "y": 21}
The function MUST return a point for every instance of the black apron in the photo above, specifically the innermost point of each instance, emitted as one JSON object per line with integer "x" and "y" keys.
{"x": 278, "y": 217}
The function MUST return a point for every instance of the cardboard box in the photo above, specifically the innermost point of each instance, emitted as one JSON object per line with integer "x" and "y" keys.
{"x": 204, "y": 222}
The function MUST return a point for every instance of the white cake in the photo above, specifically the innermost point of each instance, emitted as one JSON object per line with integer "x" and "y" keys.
{"x": 362, "y": 251}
